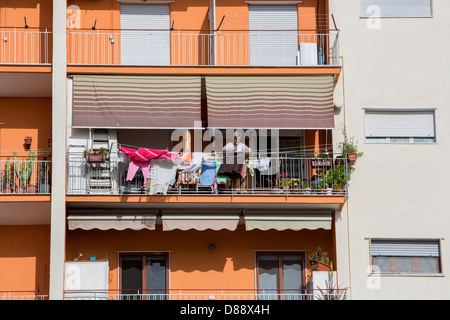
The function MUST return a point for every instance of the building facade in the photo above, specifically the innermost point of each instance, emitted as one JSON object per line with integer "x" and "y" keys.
{"x": 119, "y": 177}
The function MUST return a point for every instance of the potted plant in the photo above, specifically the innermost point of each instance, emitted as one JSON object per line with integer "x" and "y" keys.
{"x": 319, "y": 260}
{"x": 337, "y": 178}
{"x": 24, "y": 171}
{"x": 306, "y": 187}
{"x": 43, "y": 177}
{"x": 349, "y": 149}
{"x": 7, "y": 178}
{"x": 95, "y": 156}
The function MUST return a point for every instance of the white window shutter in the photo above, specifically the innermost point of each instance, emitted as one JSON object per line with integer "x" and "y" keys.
{"x": 381, "y": 123}
{"x": 397, "y": 8}
{"x": 405, "y": 248}
{"x": 151, "y": 44}
{"x": 272, "y": 46}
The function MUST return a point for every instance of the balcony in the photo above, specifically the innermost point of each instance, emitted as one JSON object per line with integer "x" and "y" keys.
{"x": 208, "y": 294}
{"x": 209, "y": 48}
{"x": 24, "y": 176}
{"x": 25, "y": 46}
{"x": 281, "y": 175}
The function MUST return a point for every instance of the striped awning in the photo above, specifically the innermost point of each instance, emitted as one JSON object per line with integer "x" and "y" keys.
{"x": 280, "y": 222}
{"x": 112, "y": 222}
{"x": 110, "y": 101}
{"x": 200, "y": 222}
{"x": 284, "y": 102}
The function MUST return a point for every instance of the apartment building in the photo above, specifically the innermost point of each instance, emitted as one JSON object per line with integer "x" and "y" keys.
{"x": 396, "y": 107}
{"x": 127, "y": 190}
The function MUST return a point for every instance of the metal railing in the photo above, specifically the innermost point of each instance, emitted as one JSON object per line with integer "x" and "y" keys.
{"x": 23, "y": 295}
{"x": 275, "y": 175}
{"x": 207, "y": 294}
{"x": 24, "y": 176}
{"x": 209, "y": 48}
{"x": 25, "y": 46}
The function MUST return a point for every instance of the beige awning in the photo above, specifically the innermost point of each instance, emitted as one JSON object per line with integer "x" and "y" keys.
{"x": 199, "y": 222}
{"x": 282, "y": 222}
{"x": 114, "y": 222}
{"x": 113, "y": 101}
{"x": 283, "y": 102}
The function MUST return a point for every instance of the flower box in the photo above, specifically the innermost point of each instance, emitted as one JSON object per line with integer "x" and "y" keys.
{"x": 95, "y": 157}
{"x": 321, "y": 162}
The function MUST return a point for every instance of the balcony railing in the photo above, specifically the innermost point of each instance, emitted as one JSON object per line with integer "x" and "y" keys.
{"x": 184, "y": 48}
{"x": 207, "y": 294}
{"x": 24, "y": 176}
{"x": 29, "y": 46}
{"x": 275, "y": 175}
{"x": 23, "y": 295}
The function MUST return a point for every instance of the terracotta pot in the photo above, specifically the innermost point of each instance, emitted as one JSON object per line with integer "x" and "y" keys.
{"x": 351, "y": 158}
{"x": 320, "y": 266}
{"x": 95, "y": 157}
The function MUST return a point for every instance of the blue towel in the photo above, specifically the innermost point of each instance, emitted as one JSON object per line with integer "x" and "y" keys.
{"x": 208, "y": 173}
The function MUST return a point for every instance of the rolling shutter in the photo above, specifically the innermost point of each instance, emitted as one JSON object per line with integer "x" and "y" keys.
{"x": 397, "y": 8}
{"x": 386, "y": 123}
{"x": 145, "y": 35}
{"x": 270, "y": 43}
{"x": 404, "y": 248}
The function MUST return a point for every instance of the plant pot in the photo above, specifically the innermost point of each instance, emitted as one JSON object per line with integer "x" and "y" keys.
{"x": 95, "y": 157}
{"x": 31, "y": 188}
{"x": 320, "y": 266}
{"x": 7, "y": 190}
{"x": 351, "y": 158}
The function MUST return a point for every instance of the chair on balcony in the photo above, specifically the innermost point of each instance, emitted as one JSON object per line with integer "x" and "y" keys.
{"x": 207, "y": 182}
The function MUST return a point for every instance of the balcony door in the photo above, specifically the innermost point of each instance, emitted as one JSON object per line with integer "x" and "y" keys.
{"x": 144, "y": 276}
{"x": 273, "y": 35}
{"x": 145, "y": 35}
{"x": 280, "y": 276}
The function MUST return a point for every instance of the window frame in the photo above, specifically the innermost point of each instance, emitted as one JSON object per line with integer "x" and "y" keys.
{"x": 416, "y": 260}
{"x": 280, "y": 290}
{"x": 144, "y": 256}
{"x": 411, "y": 139}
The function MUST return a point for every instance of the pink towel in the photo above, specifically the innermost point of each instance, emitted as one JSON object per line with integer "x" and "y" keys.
{"x": 141, "y": 158}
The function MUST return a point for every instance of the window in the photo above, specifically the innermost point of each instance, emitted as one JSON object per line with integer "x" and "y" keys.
{"x": 280, "y": 275}
{"x": 400, "y": 126}
{"x": 395, "y": 9}
{"x": 405, "y": 256}
{"x": 144, "y": 276}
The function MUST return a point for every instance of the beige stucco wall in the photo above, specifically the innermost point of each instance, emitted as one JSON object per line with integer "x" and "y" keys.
{"x": 397, "y": 190}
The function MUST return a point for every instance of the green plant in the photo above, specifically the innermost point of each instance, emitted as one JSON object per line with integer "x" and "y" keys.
{"x": 349, "y": 146}
{"x": 43, "y": 173}
{"x": 337, "y": 177}
{"x": 90, "y": 151}
{"x": 7, "y": 175}
{"x": 319, "y": 256}
{"x": 24, "y": 169}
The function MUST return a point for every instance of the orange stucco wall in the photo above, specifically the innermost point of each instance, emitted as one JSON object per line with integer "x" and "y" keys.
{"x": 23, "y": 117}
{"x": 38, "y": 13}
{"x": 24, "y": 258}
{"x": 188, "y": 18}
{"x": 192, "y": 265}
